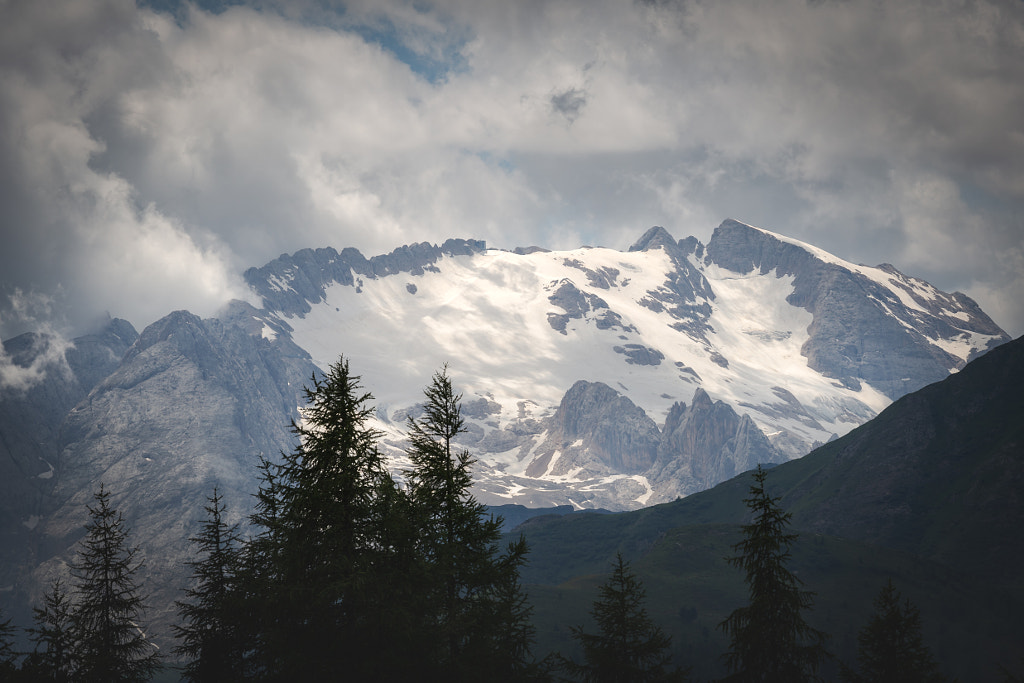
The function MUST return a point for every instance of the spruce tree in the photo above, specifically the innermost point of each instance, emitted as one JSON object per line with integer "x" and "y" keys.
{"x": 210, "y": 635}
{"x": 394, "y": 623}
{"x": 769, "y": 639}
{"x": 890, "y": 647}
{"x": 8, "y": 655}
{"x": 473, "y": 594}
{"x": 309, "y": 568}
{"x": 514, "y": 633}
{"x": 53, "y": 656}
{"x": 107, "y": 617}
{"x": 258, "y": 576}
{"x": 628, "y": 646}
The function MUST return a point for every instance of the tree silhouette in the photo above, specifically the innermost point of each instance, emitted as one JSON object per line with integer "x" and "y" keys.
{"x": 474, "y": 601}
{"x": 210, "y": 637}
{"x": 769, "y": 639}
{"x": 106, "y": 620}
{"x": 514, "y": 633}
{"x": 629, "y": 646}
{"x": 309, "y": 568}
{"x": 54, "y": 653}
{"x": 8, "y": 655}
{"x": 890, "y": 647}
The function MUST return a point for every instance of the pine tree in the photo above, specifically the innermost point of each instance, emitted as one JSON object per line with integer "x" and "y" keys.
{"x": 210, "y": 637}
{"x": 890, "y": 647}
{"x": 769, "y": 639}
{"x": 53, "y": 656}
{"x": 308, "y": 570}
{"x": 8, "y": 655}
{"x": 394, "y": 622}
{"x": 110, "y": 643}
{"x": 629, "y": 646}
{"x": 459, "y": 544}
{"x": 514, "y": 633}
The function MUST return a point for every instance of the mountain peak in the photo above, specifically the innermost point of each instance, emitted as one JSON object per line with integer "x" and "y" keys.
{"x": 654, "y": 238}
{"x": 701, "y": 398}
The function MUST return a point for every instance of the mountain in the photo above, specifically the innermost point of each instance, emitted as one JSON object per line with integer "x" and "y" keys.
{"x": 192, "y": 404}
{"x": 927, "y": 493}
{"x": 805, "y": 345}
{"x": 31, "y": 414}
{"x": 938, "y": 474}
{"x": 595, "y": 378}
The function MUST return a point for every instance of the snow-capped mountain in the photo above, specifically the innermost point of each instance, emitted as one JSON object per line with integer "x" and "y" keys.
{"x": 592, "y": 377}
{"x": 805, "y": 344}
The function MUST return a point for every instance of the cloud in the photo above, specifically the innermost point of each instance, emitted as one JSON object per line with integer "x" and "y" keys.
{"x": 148, "y": 157}
{"x": 29, "y": 362}
{"x": 569, "y": 103}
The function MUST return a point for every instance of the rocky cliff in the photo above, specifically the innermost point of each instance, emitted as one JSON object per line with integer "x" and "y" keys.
{"x": 54, "y": 376}
{"x": 193, "y": 404}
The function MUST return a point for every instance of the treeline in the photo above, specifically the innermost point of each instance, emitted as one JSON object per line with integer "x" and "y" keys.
{"x": 350, "y": 574}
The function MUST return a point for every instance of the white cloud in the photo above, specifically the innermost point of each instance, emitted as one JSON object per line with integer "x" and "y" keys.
{"x": 45, "y": 350}
{"x": 164, "y": 155}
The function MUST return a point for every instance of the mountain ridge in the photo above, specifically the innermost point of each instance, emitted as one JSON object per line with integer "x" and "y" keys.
{"x": 804, "y": 343}
{"x": 873, "y": 484}
{"x": 700, "y": 365}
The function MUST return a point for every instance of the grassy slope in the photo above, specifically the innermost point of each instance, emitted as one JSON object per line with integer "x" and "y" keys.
{"x": 691, "y": 588}
{"x": 928, "y": 493}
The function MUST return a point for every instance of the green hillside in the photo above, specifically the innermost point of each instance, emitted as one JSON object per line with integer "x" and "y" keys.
{"x": 928, "y": 493}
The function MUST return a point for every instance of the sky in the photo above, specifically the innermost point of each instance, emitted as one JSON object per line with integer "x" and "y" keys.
{"x": 151, "y": 152}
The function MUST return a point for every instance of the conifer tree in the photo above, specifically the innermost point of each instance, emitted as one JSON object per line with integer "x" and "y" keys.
{"x": 890, "y": 647}
{"x": 308, "y": 569}
{"x": 474, "y": 597}
{"x": 769, "y": 639}
{"x": 106, "y": 620}
{"x": 629, "y": 646}
{"x": 394, "y": 622}
{"x": 514, "y": 634}
{"x": 8, "y": 655}
{"x": 210, "y": 636}
{"x": 256, "y": 578}
{"x": 53, "y": 656}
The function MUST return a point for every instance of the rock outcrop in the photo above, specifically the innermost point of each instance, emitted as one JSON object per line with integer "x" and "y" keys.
{"x": 194, "y": 404}
{"x": 706, "y": 443}
{"x": 596, "y": 431}
{"x": 30, "y": 425}
{"x": 862, "y": 330}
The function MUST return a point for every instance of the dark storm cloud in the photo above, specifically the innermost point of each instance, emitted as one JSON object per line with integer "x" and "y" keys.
{"x": 569, "y": 103}
{"x": 150, "y": 155}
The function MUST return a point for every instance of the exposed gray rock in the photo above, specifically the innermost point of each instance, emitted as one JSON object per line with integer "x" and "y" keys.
{"x": 290, "y": 283}
{"x": 860, "y": 330}
{"x": 480, "y": 408}
{"x": 686, "y": 292}
{"x": 30, "y": 425}
{"x": 599, "y": 430}
{"x": 523, "y": 251}
{"x": 500, "y": 441}
{"x": 602, "y": 278}
{"x": 707, "y": 443}
{"x": 193, "y": 404}
{"x": 577, "y": 305}
{"x": 638, "y": 354}
{"x": 719, "y": 359}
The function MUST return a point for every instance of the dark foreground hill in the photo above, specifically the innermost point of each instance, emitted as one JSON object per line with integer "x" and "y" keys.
{"x": 928, "y": 493}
